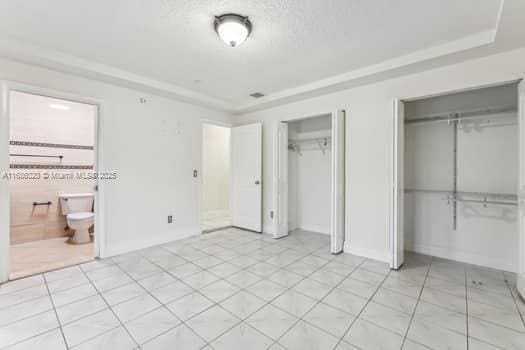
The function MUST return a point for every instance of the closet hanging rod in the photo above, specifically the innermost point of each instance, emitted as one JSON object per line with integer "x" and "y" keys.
{"x": 500, "y": 196}
{"x": 311, "y": 140}
{"x": 484, "y": 202}
{"x": 450, "y": 117}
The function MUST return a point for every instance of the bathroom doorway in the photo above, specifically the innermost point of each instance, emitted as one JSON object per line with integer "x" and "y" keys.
{"x": 216, "y": 177}
{"x": 52, "y": 164}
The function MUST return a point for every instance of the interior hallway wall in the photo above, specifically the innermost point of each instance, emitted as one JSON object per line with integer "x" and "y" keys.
{"x": 369, "y": 113}
{"x": 216, "y": 167}
{"x": 33, "y": 120}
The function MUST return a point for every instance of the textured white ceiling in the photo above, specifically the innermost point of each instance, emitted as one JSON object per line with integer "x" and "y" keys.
{"x": 294, "y": 42}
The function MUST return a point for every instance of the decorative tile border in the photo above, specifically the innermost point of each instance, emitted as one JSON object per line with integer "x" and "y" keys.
{"x": 50, "y": 145}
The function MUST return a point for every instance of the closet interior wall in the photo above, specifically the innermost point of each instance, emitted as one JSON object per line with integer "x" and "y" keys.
{"x": 461, "y": 176}
{"x": 309, "y": 174}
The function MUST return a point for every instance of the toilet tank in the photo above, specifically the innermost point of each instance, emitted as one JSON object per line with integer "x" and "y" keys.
{"x": 76, "y": 202}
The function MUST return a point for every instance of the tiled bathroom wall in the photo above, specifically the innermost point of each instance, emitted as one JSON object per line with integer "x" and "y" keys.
{"x": 45, "y": 126}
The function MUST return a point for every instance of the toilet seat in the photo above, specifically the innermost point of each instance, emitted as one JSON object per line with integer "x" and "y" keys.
{"x": 80, "y": 216}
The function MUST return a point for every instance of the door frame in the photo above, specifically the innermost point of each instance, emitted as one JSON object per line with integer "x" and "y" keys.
{"x": 201, "y": 170}
{"x": 392, "y": 233}
{"x": 100, "y": 237}
{"x": 330, "y": 113}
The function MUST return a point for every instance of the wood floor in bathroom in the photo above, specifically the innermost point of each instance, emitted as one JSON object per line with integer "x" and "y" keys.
{"x": 46, "y": 255}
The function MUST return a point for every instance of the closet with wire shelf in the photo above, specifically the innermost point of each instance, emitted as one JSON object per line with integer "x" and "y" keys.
{"x": 309, "y": 174}
{"x": 461, "y": 176}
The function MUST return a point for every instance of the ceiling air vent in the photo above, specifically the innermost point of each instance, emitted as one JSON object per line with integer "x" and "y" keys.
{"x": 257, "y": 95}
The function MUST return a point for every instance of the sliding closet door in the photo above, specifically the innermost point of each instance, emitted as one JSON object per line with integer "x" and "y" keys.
{"x": 397, "y": 235}
{"x": 280, "y": 179}
{"x": 337, "y": 224}
{"x": 521, "y": 192}
{"x": 246, "y": 176}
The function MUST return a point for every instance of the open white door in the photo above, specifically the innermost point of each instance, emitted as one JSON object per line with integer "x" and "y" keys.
{"x": 280, "y": 179}
{"x": 4, "y": 184}
{"x": 397, "y": 235}
{"x": 337, "y": 220}
{"x": 521, "y": 192}
{"x": 246, "y": 162}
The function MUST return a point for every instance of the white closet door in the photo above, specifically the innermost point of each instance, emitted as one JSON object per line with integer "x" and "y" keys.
{"x": 246, "y": 176}
{"x": 337, "y": 224}
{"x": 280, "y": 179}
{"x": 521, "y": 193}
{"x": 397, "y": 236}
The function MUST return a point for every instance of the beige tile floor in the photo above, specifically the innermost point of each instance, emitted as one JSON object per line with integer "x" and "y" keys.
{"x": 215, "y": 219}
{"x": 46, "y": 255}
{"x": 234, "y": 289}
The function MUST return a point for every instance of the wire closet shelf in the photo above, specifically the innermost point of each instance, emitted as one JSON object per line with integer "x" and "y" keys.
{"x": 314, "y": 143}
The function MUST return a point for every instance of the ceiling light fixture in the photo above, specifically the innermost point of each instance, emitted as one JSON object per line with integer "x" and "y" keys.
{"x": 59, "y": 106}
{"x": 233, "y": 29}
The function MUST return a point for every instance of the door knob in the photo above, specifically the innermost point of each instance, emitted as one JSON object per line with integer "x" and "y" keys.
{"x": 257, "y": 182}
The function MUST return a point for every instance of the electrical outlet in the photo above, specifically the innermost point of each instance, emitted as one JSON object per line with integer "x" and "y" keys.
{"x": 170, "y": 219}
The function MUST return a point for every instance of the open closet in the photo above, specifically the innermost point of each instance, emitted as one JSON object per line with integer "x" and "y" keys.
{"x": 456, "y": 167}
{"x": 309, "y": 174}
{"x": 309, "y": 171}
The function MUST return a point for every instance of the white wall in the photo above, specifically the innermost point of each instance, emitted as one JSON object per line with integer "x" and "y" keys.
{"x": 153, "y": 147}
{"x": 486, "y": 163}
{"x": 309, "y": 177}
{"x": 216, "y": 167}
{"x": 369, "y": 138}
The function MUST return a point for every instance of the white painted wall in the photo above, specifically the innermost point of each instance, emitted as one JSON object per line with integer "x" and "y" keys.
{"x": 309, "y": 177}
{"x": 153, "y": 147}
{"x": 215, "y": 167}
{"x": 486, "y": 163}
{"x": 369, "y": 138}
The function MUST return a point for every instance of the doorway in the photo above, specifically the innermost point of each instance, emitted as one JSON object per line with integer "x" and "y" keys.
{"x": 458, "y": 178}
{"x": 216, "y": 177}
{"x": 49, "y": 163}
{"x": 309, "y": 171}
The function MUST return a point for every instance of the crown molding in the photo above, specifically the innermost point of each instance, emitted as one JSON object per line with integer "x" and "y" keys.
{"x": 406, "y": 64}
{"x": 346, "y": 80}
{"x": 59, "y": 61}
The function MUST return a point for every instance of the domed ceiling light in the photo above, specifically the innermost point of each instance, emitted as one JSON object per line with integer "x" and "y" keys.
{"x": 232, "y": 28}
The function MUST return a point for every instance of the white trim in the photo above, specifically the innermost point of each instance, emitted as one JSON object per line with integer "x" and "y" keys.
{"x": 367, "y": 252}
{"x": 60, "y": 61}
{"x": 469, "y": 258}
{"x": 56, "y": 60}
{"x": 144, "y": 244}
{"x": 319, "y": 87}
{"x": 99, "y": 245}
{"x": 4, "y": 184}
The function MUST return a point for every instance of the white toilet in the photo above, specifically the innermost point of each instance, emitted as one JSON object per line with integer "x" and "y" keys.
{"x": 78, "y": 208}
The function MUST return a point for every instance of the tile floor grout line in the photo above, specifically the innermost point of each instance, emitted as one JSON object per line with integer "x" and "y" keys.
{"x": 301, "y": 318}
{"x": 56, "y": 313}
{"x": 514, "y": 297}
{"x": 417, "y": 303}
{"x": 364, "y": 307}
{"x": 261, "y": 254}
{"x": 109, "y": 307}
{"x": 183, "y": 322}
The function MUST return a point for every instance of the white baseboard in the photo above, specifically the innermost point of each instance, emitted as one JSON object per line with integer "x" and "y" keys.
{"x": 469, "y": 258}
{"x": 147, "y": 243}
{"x": 367, "y": 252}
